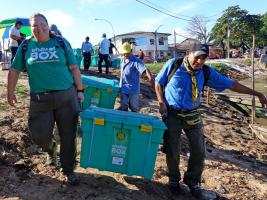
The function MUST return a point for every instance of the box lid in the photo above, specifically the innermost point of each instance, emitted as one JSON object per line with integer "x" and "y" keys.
{"x": 102, "y": 83}
{"x": 129, "y": 118}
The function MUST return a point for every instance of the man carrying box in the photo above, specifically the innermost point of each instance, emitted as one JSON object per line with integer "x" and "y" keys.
{"x": 131, "y": 70}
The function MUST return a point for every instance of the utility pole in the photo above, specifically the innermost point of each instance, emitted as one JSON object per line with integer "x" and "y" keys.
{"x": 155, "y": 50}
{"x": 174, "y": 52}
{"x": 253, "y": 81}
{"x": 228, "y": 38}
{"x": 156, "y": 45}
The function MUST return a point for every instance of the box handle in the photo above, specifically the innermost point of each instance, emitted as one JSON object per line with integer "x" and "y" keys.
{"x": 147, "y": 129}
{"x": 85, "y": 86}
{"x": 99, "y": 121}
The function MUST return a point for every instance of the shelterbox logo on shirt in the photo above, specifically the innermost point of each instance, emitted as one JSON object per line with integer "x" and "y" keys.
{"x": 39, "y": 55}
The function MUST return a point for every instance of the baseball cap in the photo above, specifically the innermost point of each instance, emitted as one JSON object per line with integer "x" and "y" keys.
{"x": 200, "y": 49}
{"x": 126, "y": 48}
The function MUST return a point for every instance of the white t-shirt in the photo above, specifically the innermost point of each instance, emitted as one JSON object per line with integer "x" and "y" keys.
{"x": 104, "y": 46}
{"x": 16, "y": 32}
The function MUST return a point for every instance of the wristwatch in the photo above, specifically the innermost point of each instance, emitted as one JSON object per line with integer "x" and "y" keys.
{"x": 80, "y": 91}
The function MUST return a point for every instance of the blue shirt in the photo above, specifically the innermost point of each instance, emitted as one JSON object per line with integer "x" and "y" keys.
{"x": 131, "y": 71}
{"x": 87, "y": 47}
{"x": 104, "y": 46}
{"x": 178, "y": 92}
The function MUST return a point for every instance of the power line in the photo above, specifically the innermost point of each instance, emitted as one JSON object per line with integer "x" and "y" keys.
{"x": 167, "y": 12}
{"x": 163, "y": 11}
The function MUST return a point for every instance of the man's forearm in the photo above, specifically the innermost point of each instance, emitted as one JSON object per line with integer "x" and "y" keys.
{"x": 159, "y": 93}
{"x": 237, "y": 87}
{"x": 13, "y": 76}
{"x": 149, "y": 75}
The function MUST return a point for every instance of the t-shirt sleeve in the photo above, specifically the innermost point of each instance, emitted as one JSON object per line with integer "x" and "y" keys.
{"x": 163, "y": 74}
{"x": 140, "y": 67}
{"x": 71, "y": 59}
{"x": 218, "y": 81}
{"x": 12, "y": 31}
{"x": 82, "y": 45}
{"x": 18, "y": 62}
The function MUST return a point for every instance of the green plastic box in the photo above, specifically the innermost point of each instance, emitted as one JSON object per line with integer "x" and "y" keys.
{"x": 119, "y": 141}
{"x": 79, "y": 56}
{"x": 100, "y": 92}
{"x": 115, "y": 64}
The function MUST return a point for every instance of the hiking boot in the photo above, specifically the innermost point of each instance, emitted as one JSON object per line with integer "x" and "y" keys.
{"x": 72, "y": 178}
{"x": 200, "y": 193}
{"x": 174, "y": 187}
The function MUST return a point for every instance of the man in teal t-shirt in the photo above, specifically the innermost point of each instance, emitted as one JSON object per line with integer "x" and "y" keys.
{"x": 55, "y": 88}
{"x": 46, "y": 64}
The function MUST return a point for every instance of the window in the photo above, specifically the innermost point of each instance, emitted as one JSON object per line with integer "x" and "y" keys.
{"x": 141, "y": 41}
{"x": 161, "y": 41}
{"x": 152, "y": 41}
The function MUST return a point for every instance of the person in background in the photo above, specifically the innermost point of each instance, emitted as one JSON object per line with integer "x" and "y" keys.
{"x": 53, "y": 28}
{"x": 131, "y": 70}
{"x": 179, "y": 99}
{"x": 111, "y": 55}
{"x": 1, "y": 54}
{"x": 103, "y": 53}
{"x": 15, "y": 38}
{"x": 141, "y": 54}
{"x": 87, "y": 50}
{"x": 55, "y": 92}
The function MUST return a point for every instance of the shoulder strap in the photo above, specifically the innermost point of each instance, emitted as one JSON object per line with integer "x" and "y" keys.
{"x": 175, "y": 66}
{"x": 24, "y": 48}
{"x": 61, "y": 42}
{"x": 206, "y": 72}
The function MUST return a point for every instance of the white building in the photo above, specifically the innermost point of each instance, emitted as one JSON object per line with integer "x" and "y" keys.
{"x": 146, "y": 42}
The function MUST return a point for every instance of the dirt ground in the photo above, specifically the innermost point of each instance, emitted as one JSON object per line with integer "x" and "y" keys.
{"x": 236, "y": 164}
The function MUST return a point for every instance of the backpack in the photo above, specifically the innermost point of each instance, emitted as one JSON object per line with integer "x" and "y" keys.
{"x": 60, "y": 43}
{"x": 178, "y": 62}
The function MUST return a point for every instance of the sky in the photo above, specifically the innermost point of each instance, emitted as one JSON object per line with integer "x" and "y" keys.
{"x": 76, "y": 18}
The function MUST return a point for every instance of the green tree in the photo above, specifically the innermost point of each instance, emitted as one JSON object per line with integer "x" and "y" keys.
{"x": 262, "y": 40}
{"x": 241, "y": 24}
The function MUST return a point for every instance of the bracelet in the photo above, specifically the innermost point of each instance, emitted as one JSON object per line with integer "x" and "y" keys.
{"x": 80, "y": 91}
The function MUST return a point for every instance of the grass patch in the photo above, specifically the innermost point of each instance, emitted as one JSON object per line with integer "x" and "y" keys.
{"x": 218, "y": 66}
{"x": 22, "y": 90}
{"x": 155, "y": 67}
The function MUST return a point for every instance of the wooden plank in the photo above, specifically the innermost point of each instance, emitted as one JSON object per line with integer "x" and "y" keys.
{"x": 259, "y": 131}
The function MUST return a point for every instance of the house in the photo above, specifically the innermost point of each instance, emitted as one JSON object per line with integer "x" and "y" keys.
{"x": 184, "y": 47}
{"x": 146, "y": 42}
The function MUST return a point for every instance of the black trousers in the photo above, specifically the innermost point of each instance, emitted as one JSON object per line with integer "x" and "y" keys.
{"x": 86, "y": 60}
{"x": 13, "y": 52}
{"x": 100, "y": 60}
{"x": 61, "y": 107}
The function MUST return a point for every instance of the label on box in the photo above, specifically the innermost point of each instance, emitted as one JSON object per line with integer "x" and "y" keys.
{"x": 94, "y": 101}
{"x": 118, "y": 150}
{"x": 117, "y": 161}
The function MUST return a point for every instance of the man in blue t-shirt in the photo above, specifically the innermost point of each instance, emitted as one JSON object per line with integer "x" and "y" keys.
{"x": 87, "y": 49}
{"x": 103, "y": 52}
{"x": 131, "y": 70}
{"x": 179, "y": 98}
